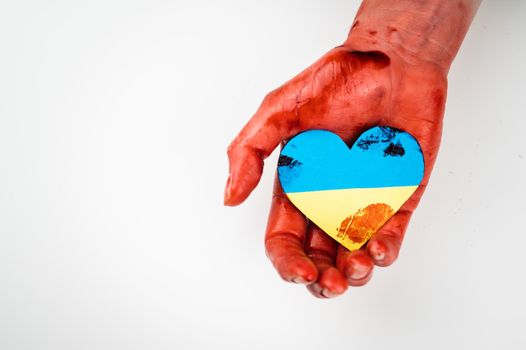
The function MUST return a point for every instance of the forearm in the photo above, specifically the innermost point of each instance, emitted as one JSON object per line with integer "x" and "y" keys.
{"x": 416, "y": 30}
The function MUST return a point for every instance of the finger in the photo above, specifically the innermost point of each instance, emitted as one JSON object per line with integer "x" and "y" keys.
{"x": 384, "y": 245}
{"x": 321, "y": 249}
{"x": 357, "y": 266}
{"x": 274, "y": 122}
{"x": 284, "y": 240}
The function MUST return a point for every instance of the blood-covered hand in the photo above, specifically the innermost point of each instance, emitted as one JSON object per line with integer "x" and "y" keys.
{"x": 382, "y": 75}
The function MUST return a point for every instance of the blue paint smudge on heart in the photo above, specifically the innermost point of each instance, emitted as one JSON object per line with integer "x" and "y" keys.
{"x": 317, "y": 160}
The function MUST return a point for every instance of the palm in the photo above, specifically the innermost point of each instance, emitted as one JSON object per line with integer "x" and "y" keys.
{"x": 345, "y": 92}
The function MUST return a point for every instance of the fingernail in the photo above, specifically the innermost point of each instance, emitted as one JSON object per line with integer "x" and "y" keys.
{"x": 299, "y": 279}
{"x": 358, "y": 273}
{"x": 327, "y": 293}
{"x": 305, "y": 277}
{"x": 379, "y": 256}
{"x": 226, "y": 198}
{"x": 377, "y": 251}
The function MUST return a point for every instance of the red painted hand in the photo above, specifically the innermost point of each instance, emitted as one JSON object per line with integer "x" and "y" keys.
{"x": 385, "y": 74}
{"x": 346, "y": 92}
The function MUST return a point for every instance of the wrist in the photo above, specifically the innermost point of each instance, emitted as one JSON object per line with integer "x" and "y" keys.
{"x": 423, "y": 32}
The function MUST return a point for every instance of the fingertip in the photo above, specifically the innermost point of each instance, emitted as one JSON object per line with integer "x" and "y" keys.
{"x": 246, "y": 168}
{"x": 357, "y": 267}
{"x": 377, "y": 250}
{"x": 231, "y": 198}
{"x": 234, "y": 194}
{"x": 298, "y": 270}
{"x": 330, "y": 284}
{"x": 383, "y": 249}
{"x": 333, "y": 281}
{"x": 306, "y": 274}
{"x": 227, "y": 196}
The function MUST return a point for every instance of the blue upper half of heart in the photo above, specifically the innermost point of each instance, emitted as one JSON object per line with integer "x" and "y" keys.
{"x": 317, "y": 160}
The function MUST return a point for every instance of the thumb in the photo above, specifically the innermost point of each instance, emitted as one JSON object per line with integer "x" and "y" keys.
{"x": 274, "y": 122}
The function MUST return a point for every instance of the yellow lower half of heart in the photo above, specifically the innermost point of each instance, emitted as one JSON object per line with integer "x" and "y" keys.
{"x": 351, "y": 216}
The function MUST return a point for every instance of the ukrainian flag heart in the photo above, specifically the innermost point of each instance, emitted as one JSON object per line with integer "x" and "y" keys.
{"x": 350, "y": 193}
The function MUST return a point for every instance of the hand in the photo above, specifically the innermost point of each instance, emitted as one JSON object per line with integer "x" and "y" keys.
{"x": 346, "y": 92}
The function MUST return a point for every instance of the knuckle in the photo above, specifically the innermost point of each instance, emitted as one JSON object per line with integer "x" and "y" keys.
{"x": 271, "y": 96}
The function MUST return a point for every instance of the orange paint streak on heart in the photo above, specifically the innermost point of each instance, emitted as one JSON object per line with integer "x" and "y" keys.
{"x": 361, "y": 225}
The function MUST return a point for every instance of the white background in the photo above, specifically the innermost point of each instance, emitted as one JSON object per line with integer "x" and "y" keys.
{"x": 114, "y": 120}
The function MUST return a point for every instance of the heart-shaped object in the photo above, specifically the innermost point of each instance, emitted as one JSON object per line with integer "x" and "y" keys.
{"x": 350, "y": 193}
